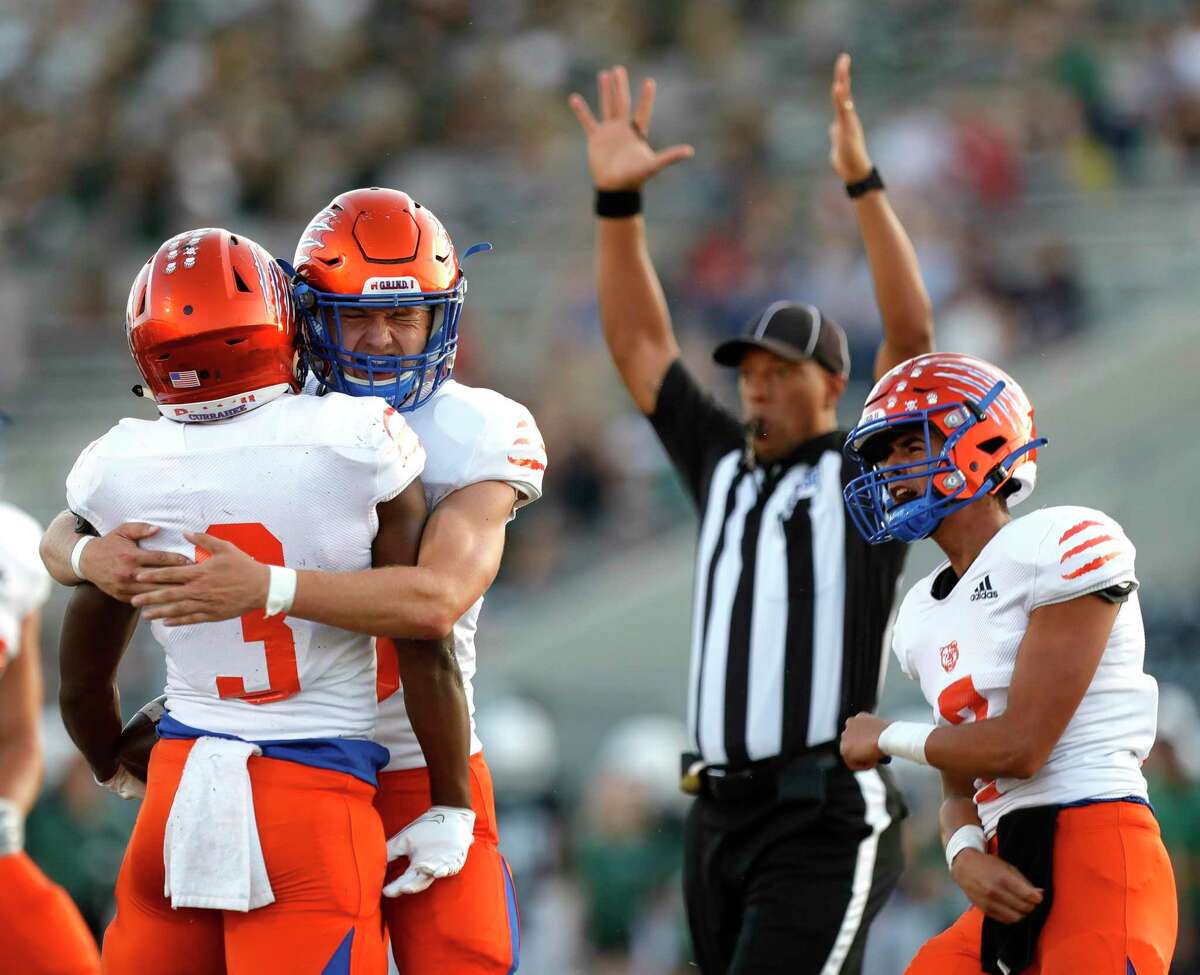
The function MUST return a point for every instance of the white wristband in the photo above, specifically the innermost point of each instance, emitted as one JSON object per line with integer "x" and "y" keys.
{"x": 77, "y": 554}
{"x": 12, "y": 828}
{"x": 969, "y": 837}
{"x": 905, "y": 739}
{"x": 281, "y": 590}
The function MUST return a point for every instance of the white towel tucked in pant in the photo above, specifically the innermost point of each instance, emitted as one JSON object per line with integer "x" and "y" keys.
{"x": 211, "y": 849}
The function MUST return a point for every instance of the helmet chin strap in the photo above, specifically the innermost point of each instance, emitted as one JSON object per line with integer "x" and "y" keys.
{"x": 911, "y": 521}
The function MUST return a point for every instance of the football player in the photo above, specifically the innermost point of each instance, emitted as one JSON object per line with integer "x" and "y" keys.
{"x": 257, "y": 846}
{"x": 41, "y": 931}
{"x": 384, "y": 290}
{"x": 1028, "y": 644}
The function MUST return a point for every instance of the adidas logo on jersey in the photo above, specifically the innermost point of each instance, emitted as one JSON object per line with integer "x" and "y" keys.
{"x": 984, "y": 590}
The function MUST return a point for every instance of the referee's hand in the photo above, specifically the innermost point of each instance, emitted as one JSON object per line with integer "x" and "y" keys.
{"x": 860, "y": 741}
{"x": 619, "y": 152}
{"x": 847, "y": 144}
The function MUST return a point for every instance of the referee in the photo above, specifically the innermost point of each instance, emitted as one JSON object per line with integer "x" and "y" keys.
{"x": 789, "y": 855}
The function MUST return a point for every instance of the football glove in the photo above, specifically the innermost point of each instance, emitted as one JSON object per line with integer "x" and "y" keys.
{"x": 124, "y": 784}
{"x": 436, "y": 845}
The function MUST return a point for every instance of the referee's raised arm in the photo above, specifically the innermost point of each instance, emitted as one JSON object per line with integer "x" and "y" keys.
{"x": 900, "y": 293}
{"x": 633, "y": 311}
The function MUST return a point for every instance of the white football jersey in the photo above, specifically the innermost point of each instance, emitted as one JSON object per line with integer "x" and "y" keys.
{"x": 470, "y": 435}
{"x": 294, "y": 482}
{"x": 963, "y": 648}
{"x": 24, "y": 582}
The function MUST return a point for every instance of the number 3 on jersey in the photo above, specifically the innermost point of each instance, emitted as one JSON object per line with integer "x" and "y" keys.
{"x": 283, "y": 678}
{"x": 959, "y": 702}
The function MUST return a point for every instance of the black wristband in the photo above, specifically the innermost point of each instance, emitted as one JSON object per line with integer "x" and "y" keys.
{"x": 872, "y": 181}
{"x": 618, "y": 203}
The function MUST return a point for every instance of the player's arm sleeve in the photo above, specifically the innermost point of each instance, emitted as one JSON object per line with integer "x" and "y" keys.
{"x": 83, "y": 487}
{"x": 694, "y": 429}
{"x": 39, "y": 588}
{"x": 399, "y": 456}
{"x": 1083, "y": 552}
{"x": 512, "y": 450}
{"x": 900, "y": 646}
{"x": 30, "y": 587}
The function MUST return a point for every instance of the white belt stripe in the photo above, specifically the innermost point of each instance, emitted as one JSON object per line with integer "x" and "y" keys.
{"x": 706, "y": 683}
{"x": 829, "y": 603}
{"x": 874, "y": 794}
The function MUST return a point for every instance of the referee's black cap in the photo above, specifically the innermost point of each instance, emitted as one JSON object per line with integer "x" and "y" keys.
{"x": 792, "y": 331}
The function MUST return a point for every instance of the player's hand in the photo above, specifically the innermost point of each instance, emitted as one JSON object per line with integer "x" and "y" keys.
{"x": 111, "y": 562}
{"x": 226, "y": 584}
{"x": 847, "y": 144}
{"x": 124, "y": 784}
{"x": 860, "y": 741}
{"x": 436, "y": 845}
{"x": 997, "y": 888}
{"x": 619, "y": 155}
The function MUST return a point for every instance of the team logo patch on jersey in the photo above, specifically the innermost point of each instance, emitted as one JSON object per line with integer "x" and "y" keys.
{"x": 949, "y": 655}
{"x": 984, "y": 590}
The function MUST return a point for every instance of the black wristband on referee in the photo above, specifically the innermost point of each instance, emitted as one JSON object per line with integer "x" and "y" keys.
{"x": 618, "y": 203}
{"x": 872, "y": 181}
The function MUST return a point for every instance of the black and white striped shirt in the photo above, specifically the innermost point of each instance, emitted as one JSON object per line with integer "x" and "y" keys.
{"x": 791, "y": 605}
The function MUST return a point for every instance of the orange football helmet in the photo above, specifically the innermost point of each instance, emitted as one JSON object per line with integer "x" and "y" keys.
{"x": 211, "y": 324}
{"x": 370, "y": 248}
{"x": 990, "y": 438}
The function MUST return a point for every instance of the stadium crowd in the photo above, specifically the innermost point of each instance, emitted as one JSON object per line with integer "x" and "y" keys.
{"x": 126, "y": 121}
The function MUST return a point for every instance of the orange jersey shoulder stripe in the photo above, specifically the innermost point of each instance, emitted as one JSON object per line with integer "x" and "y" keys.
{"x": 534, "y": 465}
{"x": 1076, "y": 529}
{"x": 1091, "y": 566}
{"x": 1085, "y": 546}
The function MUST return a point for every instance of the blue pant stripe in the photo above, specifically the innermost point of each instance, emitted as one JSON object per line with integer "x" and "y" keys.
{"x": 514, "y": 917}
{"x": 339, "y": 961}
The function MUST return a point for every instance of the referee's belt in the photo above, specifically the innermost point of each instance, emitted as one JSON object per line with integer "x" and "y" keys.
{"x": 798, "y": 776}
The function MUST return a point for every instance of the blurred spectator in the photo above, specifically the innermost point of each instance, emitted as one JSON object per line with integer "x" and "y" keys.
{"x": 1054, "y": 303}
{"x": 629, "y": 851}
{"x": 77, "y": 835}
{"x": 522, "y": 752}
{"x": 1084, "y": 75}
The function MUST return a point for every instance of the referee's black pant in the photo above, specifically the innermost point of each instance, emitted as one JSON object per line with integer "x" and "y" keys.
{"x": 789, "y": 883}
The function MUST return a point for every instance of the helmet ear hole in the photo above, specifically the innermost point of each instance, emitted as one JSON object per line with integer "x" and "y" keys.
{"x": 1008, "y": 489}
{"x": 992, "y": 444}
{"x": 239, "y": 283}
